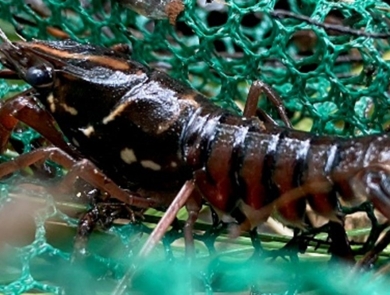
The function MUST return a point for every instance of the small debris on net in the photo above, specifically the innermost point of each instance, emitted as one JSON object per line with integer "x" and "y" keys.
{"x": 156, "y": 9}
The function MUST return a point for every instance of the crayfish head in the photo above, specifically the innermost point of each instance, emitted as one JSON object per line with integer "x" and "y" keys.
{"x": 21, "y": 58}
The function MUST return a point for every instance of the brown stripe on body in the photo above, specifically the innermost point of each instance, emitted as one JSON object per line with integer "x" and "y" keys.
{"x": 216, "y": 182}
{"x": 322, "y": 157}
{"x": 112, "y": 63}
{"x": 290, "y": 166}
{"x": 106, "y": 61}
{"x": 271, "y": 189}
{"x": 255, "y": 148}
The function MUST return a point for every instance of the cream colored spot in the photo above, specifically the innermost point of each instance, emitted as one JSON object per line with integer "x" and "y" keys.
{"x": 173, "y": 164}
{"x": 163, "y": 127}
{"x": 70, "y": 110}
{"x": 115, "y": 113}
{"x": 151, "y": 165}
{"x": 87, "y": 131}
{"x": 128, "y": 156}
{"x": 50, "y": 100}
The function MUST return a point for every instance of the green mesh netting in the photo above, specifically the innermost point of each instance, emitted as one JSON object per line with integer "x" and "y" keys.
{"x": 330, "y": 83}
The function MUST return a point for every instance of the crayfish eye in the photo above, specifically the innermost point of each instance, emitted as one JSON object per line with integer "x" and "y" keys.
{"x": 40, "y": 76}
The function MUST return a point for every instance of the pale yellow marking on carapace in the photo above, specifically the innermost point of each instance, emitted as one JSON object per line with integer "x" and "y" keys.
{"x": 128, "y": 156}
{"x": 115, "y": 113}
{"x": 50, "y": 100}
{"x": 163, "y": 127}
{"x": 151, "y": 165}
{"x": 69, "y": 109}
{"x": 106, "y": 61}
{"x": 87, "y": 131}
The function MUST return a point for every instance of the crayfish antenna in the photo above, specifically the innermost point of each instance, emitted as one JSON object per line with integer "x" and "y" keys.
{"x": 4, "y": 37}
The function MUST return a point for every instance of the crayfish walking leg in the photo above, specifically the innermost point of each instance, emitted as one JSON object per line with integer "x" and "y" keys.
{"x": 83, "y": 169}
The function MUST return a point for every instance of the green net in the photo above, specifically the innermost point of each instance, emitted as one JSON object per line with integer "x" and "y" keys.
{"x": 330, "y": 82}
